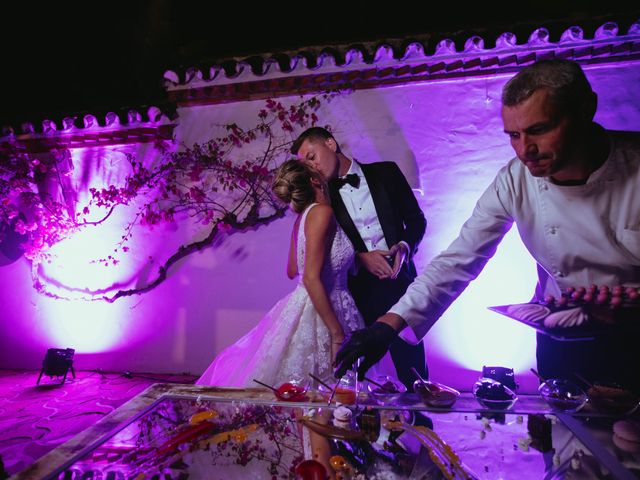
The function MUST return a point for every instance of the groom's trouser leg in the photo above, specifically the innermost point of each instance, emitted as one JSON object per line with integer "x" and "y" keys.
{"x": 405, "y": 356}
{"x": 374, "y": 298}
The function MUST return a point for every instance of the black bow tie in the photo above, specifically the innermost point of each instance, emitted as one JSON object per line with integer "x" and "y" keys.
{"x": 352, "y": 179}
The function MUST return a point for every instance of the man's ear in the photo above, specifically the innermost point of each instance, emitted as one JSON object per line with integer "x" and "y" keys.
{"x": 332, "y": 144}
{"x": 593, "y": 106}
{"x": 589, "y": 108}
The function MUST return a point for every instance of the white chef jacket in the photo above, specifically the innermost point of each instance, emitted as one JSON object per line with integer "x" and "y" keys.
{"x": 579, "y": 235}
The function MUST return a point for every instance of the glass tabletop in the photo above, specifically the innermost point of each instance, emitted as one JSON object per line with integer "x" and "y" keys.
{"x": 204, "y": 437}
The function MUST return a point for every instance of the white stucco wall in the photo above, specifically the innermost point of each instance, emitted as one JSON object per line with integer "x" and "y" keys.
{"x": 447, "y": 137}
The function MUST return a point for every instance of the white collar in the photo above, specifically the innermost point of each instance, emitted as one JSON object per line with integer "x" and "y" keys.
{"x": 355, "y": 168}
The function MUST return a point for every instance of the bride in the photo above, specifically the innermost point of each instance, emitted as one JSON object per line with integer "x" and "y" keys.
{"x": 303, "y": 331}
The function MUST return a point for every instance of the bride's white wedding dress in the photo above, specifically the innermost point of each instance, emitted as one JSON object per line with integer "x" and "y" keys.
{"x": 292, "y": 341}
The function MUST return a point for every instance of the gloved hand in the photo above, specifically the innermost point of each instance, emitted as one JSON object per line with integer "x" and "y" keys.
{"x": 371, "y": 343}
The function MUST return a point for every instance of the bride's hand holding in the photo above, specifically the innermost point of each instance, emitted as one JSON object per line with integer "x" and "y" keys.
{"x": 337, "y": 339}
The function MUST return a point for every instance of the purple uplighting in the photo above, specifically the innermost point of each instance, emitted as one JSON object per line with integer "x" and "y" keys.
{"x": 445, "y": 134}
{"x": 154, "y": 242}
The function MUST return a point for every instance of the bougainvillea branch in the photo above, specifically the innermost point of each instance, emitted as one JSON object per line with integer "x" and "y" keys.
{"x": 222, "y": 184}
{"x": 229, "y": 222}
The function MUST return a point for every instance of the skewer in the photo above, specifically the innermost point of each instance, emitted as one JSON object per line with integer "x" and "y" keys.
{"x": 381, "y": 386}
{"x": 417, "y": 375}
{"x": 320, "y": 381}
{"x": 426, "y": 383}
{"x": 540, "y": 377}
{"x": 265, "y": 385}
{"x": 584, "y": 380}
{"x": 333, "y": 392}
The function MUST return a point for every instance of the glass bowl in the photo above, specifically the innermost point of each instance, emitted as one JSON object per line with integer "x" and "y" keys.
{"x": 612, "y": 398}
{"x": 434, "y": 394}
{"x": 292, "y": 391}
{"x": 563, "y": 395}
{"x": 345, "y": 389}
{"x": 389, "y": 417}
{"x": 388, "y": 395}
{"x": 493, "y": 395}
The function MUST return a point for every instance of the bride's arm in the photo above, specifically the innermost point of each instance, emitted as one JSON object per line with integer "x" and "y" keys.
{"x": 318, "y": 229}
{"x": 292, "y": 263}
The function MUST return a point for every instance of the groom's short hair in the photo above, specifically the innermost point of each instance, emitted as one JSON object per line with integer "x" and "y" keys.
{"x": 313, "y": 133}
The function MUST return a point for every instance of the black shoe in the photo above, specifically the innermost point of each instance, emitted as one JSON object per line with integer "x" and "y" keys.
{"x": 421, "y": 420}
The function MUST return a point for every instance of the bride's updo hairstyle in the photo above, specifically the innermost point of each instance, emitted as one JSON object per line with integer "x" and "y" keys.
{"x": 293, "y": 184}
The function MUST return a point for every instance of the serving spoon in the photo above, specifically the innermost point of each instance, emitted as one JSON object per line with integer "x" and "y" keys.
{"x": 284, "y": 395}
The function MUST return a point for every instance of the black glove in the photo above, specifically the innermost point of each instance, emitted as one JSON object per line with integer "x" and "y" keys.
{"x": 371, "y": 343}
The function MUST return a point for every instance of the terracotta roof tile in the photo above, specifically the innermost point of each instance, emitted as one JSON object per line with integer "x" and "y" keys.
{"x": 132, "y": 126}
{"x": 372, "y": 64}
{"x": 357, "y": 66}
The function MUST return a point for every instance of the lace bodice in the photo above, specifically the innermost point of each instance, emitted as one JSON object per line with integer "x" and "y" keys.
{"x": 335, "y": 272}
{"x": 339, "y": 258}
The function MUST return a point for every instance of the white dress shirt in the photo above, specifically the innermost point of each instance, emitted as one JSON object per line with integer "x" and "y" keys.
{"x": 362, "y": 211}
{"x": 579, "y": 235}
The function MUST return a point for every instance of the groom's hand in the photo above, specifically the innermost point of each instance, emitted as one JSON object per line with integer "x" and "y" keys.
{"x": 399, "y": 252}
{"x": 371, "y": 343}
{"x": 377, "y": 263}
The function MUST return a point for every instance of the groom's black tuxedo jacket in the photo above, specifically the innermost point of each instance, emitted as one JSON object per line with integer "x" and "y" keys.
{"x": 400, "y": 218}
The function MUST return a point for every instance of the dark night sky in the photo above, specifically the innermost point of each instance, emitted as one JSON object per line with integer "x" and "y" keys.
{"x": 64, "y": 58}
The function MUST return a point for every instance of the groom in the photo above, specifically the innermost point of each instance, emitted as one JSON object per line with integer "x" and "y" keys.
{"x": 377, "y": 209}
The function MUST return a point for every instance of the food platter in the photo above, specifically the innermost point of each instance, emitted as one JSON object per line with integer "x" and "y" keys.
{"x": 533, "y": 315}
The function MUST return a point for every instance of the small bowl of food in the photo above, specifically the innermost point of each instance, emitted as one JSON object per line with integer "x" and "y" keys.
{"x": 612, "y": 398}
{"x": 563, "y": 395}
{"x": 386, "y": 390}
{"x": 292, "y": 391}
{"x": 493, "y": 395}
{"x": 434, "y": 394}
{"x": 345, "y": 389}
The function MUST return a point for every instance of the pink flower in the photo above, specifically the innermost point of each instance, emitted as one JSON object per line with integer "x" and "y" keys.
{"x": 20, "y": 227}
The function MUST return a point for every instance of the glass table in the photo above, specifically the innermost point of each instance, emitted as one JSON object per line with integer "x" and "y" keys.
{"x": 190, "y": 432}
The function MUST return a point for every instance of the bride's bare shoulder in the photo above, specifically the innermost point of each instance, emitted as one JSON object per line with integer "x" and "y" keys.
{"x": 320, "y": 212}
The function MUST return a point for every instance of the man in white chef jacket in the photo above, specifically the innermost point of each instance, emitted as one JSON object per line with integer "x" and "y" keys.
{"x": 573, "y": 190}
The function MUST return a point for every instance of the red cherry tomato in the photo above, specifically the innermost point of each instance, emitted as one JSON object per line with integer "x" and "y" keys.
{"x": 290, "y": 392}
{"x": 311, "y": 470}
{"x": 616, "y": 301}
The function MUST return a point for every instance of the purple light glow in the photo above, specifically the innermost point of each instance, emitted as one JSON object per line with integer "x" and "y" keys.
{"x": 74, "y": 264}
{"x": 470, "y": 335}
{"x": 89, "y": 327}
{"x": 75, "y": 274}
{"x": 448, "y": 138}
